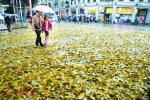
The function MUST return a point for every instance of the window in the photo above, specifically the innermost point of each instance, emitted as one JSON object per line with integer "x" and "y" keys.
{"x": 148, "y": 0}
{"x": 94, "y": 0}
{"x": 120, "y": 0}
{"x": 88, "y": 0}
{"x": 71, "y": 2}
{"x": 83, "y": 1}
{"x": 131, "y": 0}
{"x": 105, "y": 0}
{"x": 49, "y": 4}
{"x": 140, "y": 0}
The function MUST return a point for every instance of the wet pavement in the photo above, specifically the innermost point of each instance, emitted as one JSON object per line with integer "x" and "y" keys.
{"x": 136, "y": 28}
{"x": 2, "y": 26}
{"x": 123, "y": 27}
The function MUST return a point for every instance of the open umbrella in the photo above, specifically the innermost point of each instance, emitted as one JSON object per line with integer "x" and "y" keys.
{"x": 5, "y": 14}
{"x": 44, "y": 9}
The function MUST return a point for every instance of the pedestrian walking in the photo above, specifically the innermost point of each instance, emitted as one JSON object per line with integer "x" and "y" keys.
{"x": 141, "y": 21}
{"x": 128, "y": 21}
{"x": 87, "y": 19}
{"x": 84, "y": 19}
{"x": 91, "y": 19}
{"x": 58, "y": 19}
{"x": 77, "y": 19}
{"x": 74, "y": 18}
{"x": 80, "y": 20}
{"x": 8, "y": 22}
{"x": 30, "y": 20}
{"x": 65, "y": 18}
{"x": 94, "y": 18}
{"x": 37, "y": 21}
{"x": 46, "y": 27}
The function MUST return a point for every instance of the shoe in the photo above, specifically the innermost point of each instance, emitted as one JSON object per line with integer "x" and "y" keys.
{"x": 45, "y": 42}
{"x": 37, "y": 44}
{"x": 42, "y": 45}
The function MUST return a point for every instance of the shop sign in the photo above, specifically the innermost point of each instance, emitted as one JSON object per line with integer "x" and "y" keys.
{"x": 92, "y": 11}
{"x": 109, "y": 10}
{"x": 120, "y": 10}
{"x": 142, "y": 12}
{"x": 100, "y": 10}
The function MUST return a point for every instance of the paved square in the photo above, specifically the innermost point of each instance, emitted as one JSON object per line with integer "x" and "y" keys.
{"x": 87, "y": 61}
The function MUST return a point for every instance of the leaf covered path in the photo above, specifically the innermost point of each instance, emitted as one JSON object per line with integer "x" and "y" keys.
{"x": 80, "y": 62}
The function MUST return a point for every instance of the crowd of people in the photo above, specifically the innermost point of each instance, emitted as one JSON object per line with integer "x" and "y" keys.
{"x": 79, "y": 18}
{"x": 92, "y": 18}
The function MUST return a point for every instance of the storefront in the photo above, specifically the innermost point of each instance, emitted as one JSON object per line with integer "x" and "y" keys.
{"x": 101, "y": 14}
{"x": 73, "y": 11}
{"x": 142, "y": 15}
{"x": 122, "y": 14}
{"x": 107, "y": 14}
{"x": 82, "y": 11}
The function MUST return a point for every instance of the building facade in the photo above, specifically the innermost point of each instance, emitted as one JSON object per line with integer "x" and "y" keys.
{"x": 104, "y": 10}
{"x": 51, "y": 3}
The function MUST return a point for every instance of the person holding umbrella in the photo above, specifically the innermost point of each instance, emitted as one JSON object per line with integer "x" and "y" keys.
{"x": 37, "y": 22}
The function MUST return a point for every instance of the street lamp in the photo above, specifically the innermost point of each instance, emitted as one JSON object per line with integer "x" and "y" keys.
{"x": 14, "y": 12}
{"x": 21, "y": 18}
{"x": 114, "y": 12}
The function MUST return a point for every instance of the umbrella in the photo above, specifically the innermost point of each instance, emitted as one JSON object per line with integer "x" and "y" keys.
{"x": 44, "y": 9}
{"x": 5, "y": 14}
{"x": 10, "y": 10}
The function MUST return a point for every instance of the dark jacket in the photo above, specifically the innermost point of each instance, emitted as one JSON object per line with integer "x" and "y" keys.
{"x": 80, "y": 18}
{"x": 7, "y": 20}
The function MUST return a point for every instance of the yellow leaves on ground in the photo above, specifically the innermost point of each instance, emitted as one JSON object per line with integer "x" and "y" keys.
{"x": 80, "y": 62}
{"x": 81, "y": 96}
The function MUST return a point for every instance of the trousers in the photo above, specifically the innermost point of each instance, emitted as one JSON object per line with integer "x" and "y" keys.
{"x": 38, "y": 39}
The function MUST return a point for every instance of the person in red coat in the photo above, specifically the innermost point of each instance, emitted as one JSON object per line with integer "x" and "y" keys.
{"x": 46, "y": 27}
